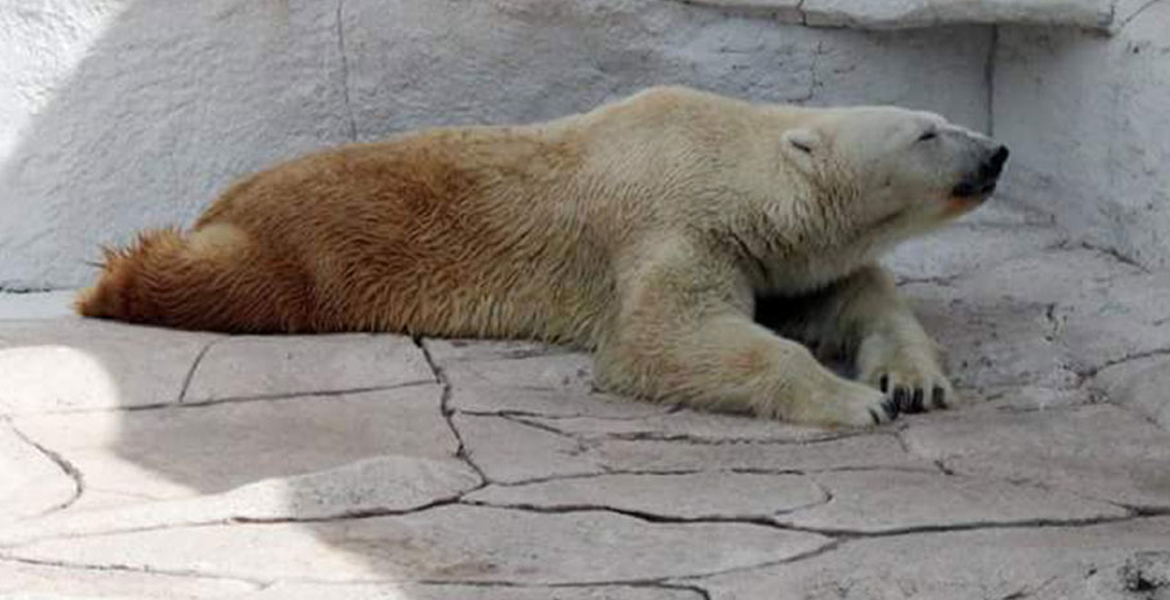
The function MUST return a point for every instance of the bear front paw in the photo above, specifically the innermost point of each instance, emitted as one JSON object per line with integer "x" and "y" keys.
{"x": 840, "y": 402}
{"x": 914, "y": 385}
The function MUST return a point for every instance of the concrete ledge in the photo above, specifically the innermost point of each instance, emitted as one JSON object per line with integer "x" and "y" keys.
{"x": 907, "y": 14}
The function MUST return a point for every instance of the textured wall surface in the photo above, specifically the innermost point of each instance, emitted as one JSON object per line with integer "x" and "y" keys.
{"x": 1088, "y": 119}
{"x": 135, "y": 113}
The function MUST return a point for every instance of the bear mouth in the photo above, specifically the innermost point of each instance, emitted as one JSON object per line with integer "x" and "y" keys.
{"x": 973, "y": 189}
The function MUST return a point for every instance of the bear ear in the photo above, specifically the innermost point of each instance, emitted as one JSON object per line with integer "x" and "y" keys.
{"x": 801, "y": 145}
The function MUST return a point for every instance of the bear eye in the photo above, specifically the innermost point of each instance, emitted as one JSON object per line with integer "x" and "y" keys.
{"x": 929, "y": 135}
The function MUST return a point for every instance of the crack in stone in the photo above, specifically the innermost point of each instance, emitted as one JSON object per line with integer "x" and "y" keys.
{"x": 256, "y": 398}
{"x": 971, "y": 526}
{"x": 989, "y": 79}
{"x": 687, "y": 438}
{"x": 191, "y": 372}
{"x": 1054, "y": 324}
{"x": 648, "y": 517}
{"x": 659, "y": 583}
{"x": 461, "y": 451}
{"x": 1109, "y": 252}
{"x": 1141, "y": 9}
{"x": 740, "y": 470}
{"x": 355, "y": 515}
{"x": 144, "y": 570}
{"x": 832, "y": 546}
{"x": 845, "y": 469}
{"x": 237, "y": 399}
{"x": 826, "y": 498}
{"x": 668, "y": 582}
{"x": 1026, "y": 591}
{"x": 939, "y": 280}
{"x": 71, "y": 471}
{"x": 541, "y": 426}
{"x": 527, "y": 414}
{"x": 1139, "y": 510}
{"x": 261, "y": 584}
{"x": 684, "y": 587}
{"x": 1094, "y": 371}
{"x": 661, "y": 436}
{"x": 828, "y": 532}
{"x": 836, "y": 539}
{"x": 814, "y": 81}
{"x": 353, "y": 136}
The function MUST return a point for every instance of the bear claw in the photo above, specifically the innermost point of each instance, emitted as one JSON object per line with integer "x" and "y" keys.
{"x": 916, "y": 405}
{"x": 939, "y": 397}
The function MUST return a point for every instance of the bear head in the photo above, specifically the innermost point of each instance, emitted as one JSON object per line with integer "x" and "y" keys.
{"x": 889, "y": 167}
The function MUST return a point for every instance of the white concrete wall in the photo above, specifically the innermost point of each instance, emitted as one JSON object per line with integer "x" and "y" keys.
{"x": 117, "y": 115}
{"x": 1088, "y": 120}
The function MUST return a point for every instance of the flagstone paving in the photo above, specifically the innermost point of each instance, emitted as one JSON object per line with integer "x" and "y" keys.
{"x": 146, "y": 463}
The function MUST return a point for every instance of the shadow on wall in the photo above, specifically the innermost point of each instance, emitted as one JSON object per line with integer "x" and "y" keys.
{"x": 174, "y": 100}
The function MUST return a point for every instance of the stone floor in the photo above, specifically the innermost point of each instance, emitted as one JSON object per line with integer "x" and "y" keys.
{"x": 146, "y": 463}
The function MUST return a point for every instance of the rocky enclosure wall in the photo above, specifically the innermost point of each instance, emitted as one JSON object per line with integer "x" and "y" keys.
{"x": 1088, "y": 119}
{"x": 116, "y": 115}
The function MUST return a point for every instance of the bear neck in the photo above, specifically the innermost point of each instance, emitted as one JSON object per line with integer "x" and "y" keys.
{"x": 808, "y": 237}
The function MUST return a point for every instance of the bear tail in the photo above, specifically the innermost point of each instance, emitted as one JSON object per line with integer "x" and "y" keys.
{"x": 212, "y": 279}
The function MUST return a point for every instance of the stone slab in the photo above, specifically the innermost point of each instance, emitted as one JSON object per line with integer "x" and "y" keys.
{"x": 448, "y": 350}
{"x": 1044, "y": 319}
{"x": 527, "y": 378}
{"x": 511, "y": 452}
{"x": 965, "y": 247}
{"x": 1097, "y": 562}
{"x": 19, "y": 581}
{"x": 687, "y": 425}
{"x": 256, "y": 367}
{"x": 993, "y": 343}
{"x": 1112, "y": 312}
{"x": 31, "y": 483}
{"x": 447, "y": 544}
{"x": 488, "y": 399}
{"x": 858, "y": 452}
{"x": 1097, "y": 451}
{"x": 560, "y": 372}
{"x": 1142, "y": 385}
{"x": 707, "y": 495}
{"x": 891, "y": 501}
{"x": 381, "y": 485}
{"x": 185, "y": 451}
{"x": 71, "y": 364}
{"x": 391, "y": 591}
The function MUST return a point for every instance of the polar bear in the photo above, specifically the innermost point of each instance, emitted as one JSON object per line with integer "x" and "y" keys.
{"x": 643, "y": 230}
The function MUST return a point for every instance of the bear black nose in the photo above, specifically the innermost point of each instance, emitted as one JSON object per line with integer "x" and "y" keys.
{"x": 983, "y": 180}
{"x": 995, "y": 164}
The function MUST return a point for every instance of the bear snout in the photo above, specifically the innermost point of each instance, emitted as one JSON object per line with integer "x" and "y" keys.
{"x": 985, "y": 178}
{"x": 994, "y": 165}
